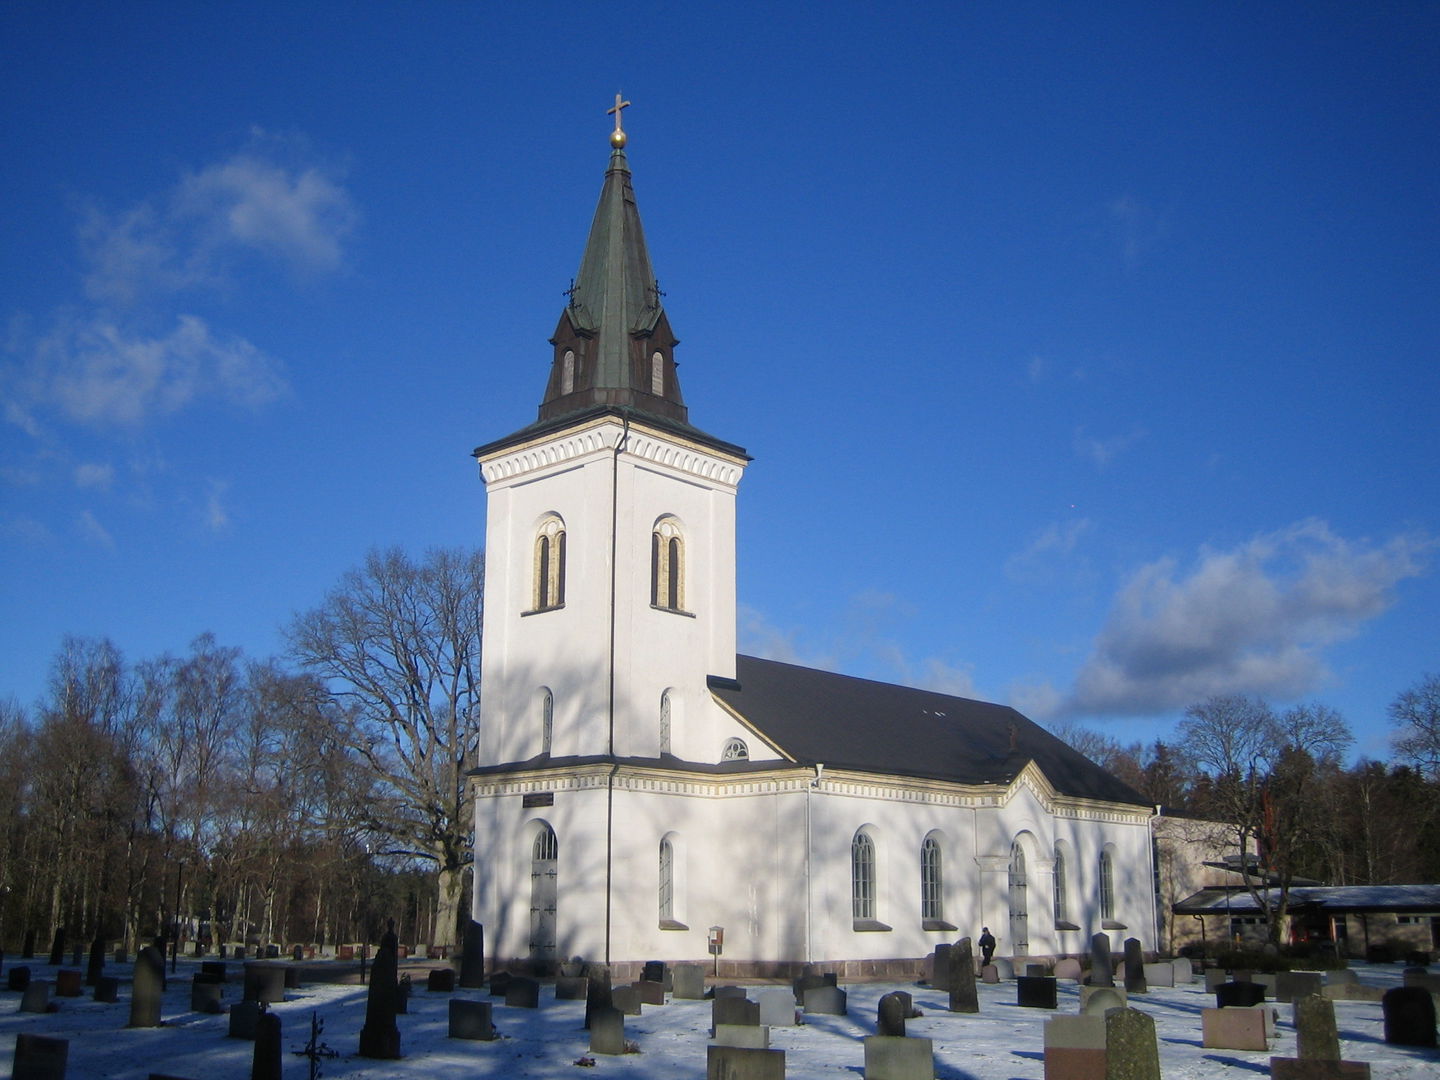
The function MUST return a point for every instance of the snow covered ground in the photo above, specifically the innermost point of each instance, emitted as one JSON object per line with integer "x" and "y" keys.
{"x": 1003, "y": 1042}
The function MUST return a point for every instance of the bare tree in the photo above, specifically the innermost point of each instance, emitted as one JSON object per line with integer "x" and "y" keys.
{"x": 1416, "y": 716}
{"x": 398, "y": 644}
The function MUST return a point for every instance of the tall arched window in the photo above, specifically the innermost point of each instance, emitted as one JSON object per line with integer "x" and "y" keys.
{"x": 1061, "y": 911}
{"x": 665, "y": 722}
{"x": 550, "y": 565}
{"x": 1019, "y": 901}
{"x": 667, "y": 566}
{"x": 862, "y": 876}
{"x": 547, "y": 719}
{"x": 1107, "y": 885}
{"x": 543, "y": 898}
{"x": 567, "y": 372}
{"x": 932, "y": 880}
{"x": 657, "y": 374}
{"x": 667, "y": 880}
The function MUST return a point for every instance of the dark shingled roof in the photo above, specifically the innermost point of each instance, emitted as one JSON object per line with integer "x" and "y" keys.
{"x": 848, "y": 723}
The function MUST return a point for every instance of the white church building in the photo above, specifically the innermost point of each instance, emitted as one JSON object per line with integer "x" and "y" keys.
{"x": 638, "y": 784}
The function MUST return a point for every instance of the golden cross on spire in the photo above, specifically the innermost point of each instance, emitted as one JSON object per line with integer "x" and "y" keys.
{"x": 617, "y": 137}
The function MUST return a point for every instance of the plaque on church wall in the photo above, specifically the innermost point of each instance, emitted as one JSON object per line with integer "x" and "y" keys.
{"x": 539, "y": 798}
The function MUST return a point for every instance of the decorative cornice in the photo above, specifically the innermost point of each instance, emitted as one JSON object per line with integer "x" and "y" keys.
{"x": 602, "y": 435}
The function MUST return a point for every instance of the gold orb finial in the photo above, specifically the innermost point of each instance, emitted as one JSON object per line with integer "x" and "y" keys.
{"x": 617, "y": 137}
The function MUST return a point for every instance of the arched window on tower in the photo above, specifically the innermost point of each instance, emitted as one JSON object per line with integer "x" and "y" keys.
{"x": 567, "y": 372}
{"x": 657, "y": 374}
{"x": 549, "y": 565}
{"x": 667, "y": 566}
{"x": 665, "y": 713}
{"x": 547, "y": 719}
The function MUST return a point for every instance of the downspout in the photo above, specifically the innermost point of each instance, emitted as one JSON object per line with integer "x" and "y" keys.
{"x": 610, "y": 709}
{"x": 809, "y": 892}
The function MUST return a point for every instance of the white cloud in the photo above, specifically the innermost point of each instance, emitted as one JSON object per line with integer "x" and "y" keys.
{"x": 1051, "y": 546}
{"x": 94, "y": 475}
{"x": 297, "y": 213}
{"x": 1103, "y": 451}
{"x": 94, "y": 532}
{"x": 95, "y": 372}
{"x": 1255, "y": 619}
{"x": 216, "y": 517}
{"x": 24, "y": 528}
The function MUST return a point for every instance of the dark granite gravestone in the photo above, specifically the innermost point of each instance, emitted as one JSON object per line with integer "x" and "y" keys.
{"x": 653, "y": 971}
{"x": 1317, "y": 1069}
{"x": 607, "y": 1031}
{"x": 292, "y": 977}
{"x": 472, "y": 957}
{"x": 890, "y": 1015}
{"x": 523, "y": 993}
{"x": 963, "y": 996}
{"x": 827, "y": 1000}
{"x": 597, "y": 991}
{"x": 1036, "y": 992}
{"x": 69, "y": 983}
{"x": 743, "y": 1063}
{"x": 1135, "y": 968}
{"x": 297, "y": 954}
{"x": 1409, "y": 1016}
{"x": 940, "y": 967}
{"x": 213, "y": 967}
{"x": 36, "y": 998}
{"x": 733, "y": 1010}
{"x": 1238, "y": 993}
{"x": 739, "y": 991}
{"x": 471, "y": 1020}
{"x": 39, "y": 1057}
{"x": 1131, "y": 1052}
{"x": 627, "y": 999}
{"x": 18, "y": 977}
{"x": 380, "y": 1037}
{"x": 805, "y": 982}
{"x": 1290, "y": 986}
{"x": 1102, "y": 964}
{"x": 244, "y": 1015}
{"x": 206, "y": 996}
{"x": 570, "y": 987}
{"x": 689, "y": 982}
{"x": 147, "y": 987}
{"x": 96, "y": 966}
{"x": 889, "y": 1057}
{"x": 1316, "y": 1035}
{"x": 57, "y": 947}
{"x": 264, "y": 982}
{"x": 107, "y": 990}
{"x": 27, "y": 948}
{"x": 266, "y": 1062}
{"x": 440, "y": 980}
{"x": 651, "y": 992}
{"x": 499, "y": 983}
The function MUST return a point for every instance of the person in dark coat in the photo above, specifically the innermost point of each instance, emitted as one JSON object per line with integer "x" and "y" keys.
{"x": 987, "y": 945}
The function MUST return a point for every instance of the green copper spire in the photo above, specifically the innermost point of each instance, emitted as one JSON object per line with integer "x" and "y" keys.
{"x": 613, "y": 345}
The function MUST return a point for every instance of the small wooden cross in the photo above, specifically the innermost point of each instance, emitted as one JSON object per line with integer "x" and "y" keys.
{"x": 620, "y": 103}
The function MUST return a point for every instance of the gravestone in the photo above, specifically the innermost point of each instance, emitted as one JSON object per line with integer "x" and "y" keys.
{"x": 292, "y": 977}
{"x": 1290, "y": 986}
{"x": 651, "y": 992}
{"x": 1098, "y": 1000}
{"x": 206, "y": 997}
{"x": 96, "y": 967}
{"x": 1036, "y": 992}
{"x": 990, "y": 974}
{"x": 107, "y": 990}
{"x": 264, "y": 983}
{"x": 732, "y": 1010}
{"x": 499, "y": 983}
{"x": 597, "y": 991}
{"x": 69, "y": 983}
{"x": 755, "y": 1036}
{"x": 1130, "y": 1048}
{"x": 607, "y": 1030}
{"x": 1233, "y": 1029}
{"x": 1075, "y": 1048}
{"x": 827, "y": 1000}
{"x": 1037, "y": 971}
{"x": 36, "y": 998}
{"x": 1216, "y": 977}
{"x": 244, "y": 1015}
{"x": 1004, "y": 969}
{"x": 57, "y": 947}
{"x": 940, "y": 967}
{"x": 523, "y": 993}
{"x": 18, "y": 977}
{"x": 656, "y": 971}
{"x": 890, "y": 1016}
{"x": 1238, "y": 993}
{"x": 777, "y": 1006}
{"x": 1159, "y": 974}
{"x": 1409, "y": 1016}
{"x": 1423, "y": 978}
{"x": 1316, "y": 1035}
{"x": 570, "y": 987}
{"x": 805, "y": 982}
{"x": 1354, "y": 992}
{"x": 1317, "y": 1069}
{"x": 39, "y": 1057}
{"x": 689, "y": 982}
{"x": 743, "y": 1063}
{"x": 472, "y": 956}
{"x": 471, "y": 1020}
{"x": 1341, "y": 977}
{"x": 1135, "y": 968}
{"x": 1068, "y": 968}
{"x": 1102, "y": 964}
{"x": 1183, "y": 973}
{"x": 739, "y": 991}
{"x": 963, "y": 996}
{"x": 213, "y": 967}
{"x": 440, "y": 980}
{"x": 625, "y": 998}
{"x": 147, "y": 987}
{"x": 889, "y": 1057}
{"x": 27, "y": 948}
{"x": 265, "y": 1064}
{"x": 380, "y": 1038}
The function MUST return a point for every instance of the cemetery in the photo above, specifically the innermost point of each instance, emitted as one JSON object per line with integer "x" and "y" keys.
{"x": 216, "y": 1020}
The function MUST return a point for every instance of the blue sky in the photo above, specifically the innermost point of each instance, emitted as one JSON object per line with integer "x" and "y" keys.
{"x": 1087, "y": 357}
